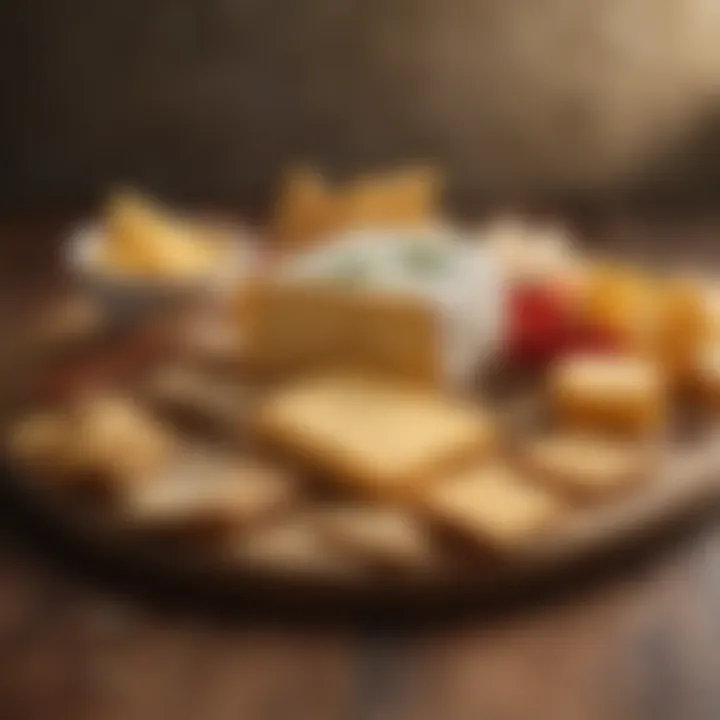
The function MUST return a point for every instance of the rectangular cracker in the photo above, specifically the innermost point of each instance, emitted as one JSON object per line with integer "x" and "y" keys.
{"x": 587, "y": 467}
{"x": 383, "y": 538}
{"x": 376, "y": 436}
{"x": 205, "y": 491}
{"x": 292, "y": 547}
{"x": 493, "y": 506}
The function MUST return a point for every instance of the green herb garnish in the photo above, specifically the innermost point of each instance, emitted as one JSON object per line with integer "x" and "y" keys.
{"x": 424, "y": 259}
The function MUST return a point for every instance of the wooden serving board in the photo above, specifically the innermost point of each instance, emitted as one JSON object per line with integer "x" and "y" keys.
{"x": 688, "y": 480}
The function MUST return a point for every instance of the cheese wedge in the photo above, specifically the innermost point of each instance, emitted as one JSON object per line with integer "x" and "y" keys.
{"x": 418, "y": 306}
{"x": 142, "y": 238}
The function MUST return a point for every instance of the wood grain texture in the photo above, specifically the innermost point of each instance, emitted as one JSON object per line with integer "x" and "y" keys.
{"x": 639, "y": 644}
{"x": 642, "y": 647}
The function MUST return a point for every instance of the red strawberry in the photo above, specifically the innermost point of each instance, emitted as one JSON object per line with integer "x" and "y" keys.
{"x": 542, "y": 325}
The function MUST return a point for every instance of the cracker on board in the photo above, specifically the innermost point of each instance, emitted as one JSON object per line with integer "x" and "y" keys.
{"x": 209, "y": 491}
{"x": 378, "y": 437}
{"x": 586, "y": 467}
{"x": 386, "y": 538}
{"x": 493, "y": 506}
{"x": 105, "y": 441}
{"x": 294, "y": 547}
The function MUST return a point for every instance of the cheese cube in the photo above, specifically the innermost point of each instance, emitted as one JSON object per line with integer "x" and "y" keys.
{"x": 105, "y": 442}
{"x": 614, "y": 393}
{"x": 380, "y": 438}
{"x": 416, "y": 305}
{"x": 493, "y": 506}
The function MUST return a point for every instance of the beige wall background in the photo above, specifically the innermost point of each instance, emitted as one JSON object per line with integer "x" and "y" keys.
{"x": 209, "y": 99}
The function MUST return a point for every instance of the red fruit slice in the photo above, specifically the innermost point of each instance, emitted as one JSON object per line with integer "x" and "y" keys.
{"x": 536, "y": 320}
{"x": 542, "y": 326}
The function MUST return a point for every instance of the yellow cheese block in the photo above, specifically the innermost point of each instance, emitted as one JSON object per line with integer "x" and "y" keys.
{"x": 295, "y": 328}
{"x": 141, "y": 238}
{"x": 609, "y": 393}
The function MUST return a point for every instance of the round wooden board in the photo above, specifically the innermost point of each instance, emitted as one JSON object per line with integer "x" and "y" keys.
{"x": 688, "y": 484}
{"x": 688, "y": 481}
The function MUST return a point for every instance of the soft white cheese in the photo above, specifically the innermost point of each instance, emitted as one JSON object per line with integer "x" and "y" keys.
{"x": 459, "y": 283}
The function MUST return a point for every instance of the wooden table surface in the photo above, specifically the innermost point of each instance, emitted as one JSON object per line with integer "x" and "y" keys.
{"x": 639, "y": 641}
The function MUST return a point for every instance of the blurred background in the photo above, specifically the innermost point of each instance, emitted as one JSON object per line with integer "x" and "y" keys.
{"x": 207, "y": 100}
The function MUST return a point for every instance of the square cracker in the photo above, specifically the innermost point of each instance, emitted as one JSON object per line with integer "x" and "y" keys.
{"x": 379, "y": 437}
{"x": 493, "y": 506}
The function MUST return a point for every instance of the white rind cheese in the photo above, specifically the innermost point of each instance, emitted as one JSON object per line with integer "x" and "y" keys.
{"x": 459, "y": 286}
